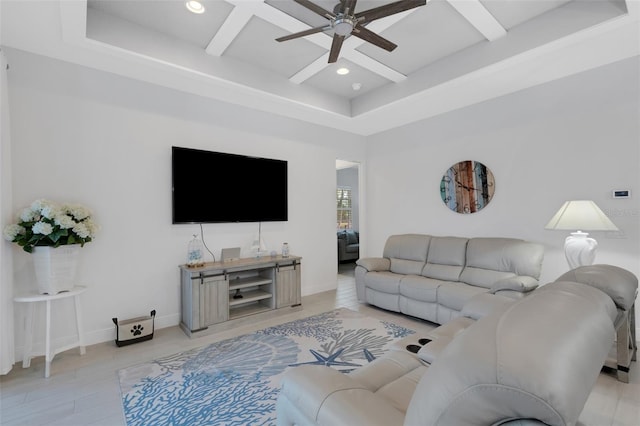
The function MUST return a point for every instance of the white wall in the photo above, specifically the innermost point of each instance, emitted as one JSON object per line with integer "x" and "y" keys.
{"x": 576, "y": 138}
{"x": 85, "y": 136}
{"x": 79, "y": 135}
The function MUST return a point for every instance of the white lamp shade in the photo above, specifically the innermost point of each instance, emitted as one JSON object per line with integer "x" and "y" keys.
{"x": 580, "y": 215}
{"x": 583, "y": 215}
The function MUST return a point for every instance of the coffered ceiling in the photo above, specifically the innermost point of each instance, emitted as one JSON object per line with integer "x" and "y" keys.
{"x": 451, "y": 53}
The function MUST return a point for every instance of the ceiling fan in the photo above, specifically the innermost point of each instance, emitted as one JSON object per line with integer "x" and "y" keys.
{"x": 344, "y": 21}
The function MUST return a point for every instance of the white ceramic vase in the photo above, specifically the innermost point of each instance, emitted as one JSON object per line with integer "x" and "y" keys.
{"x": 55, "y": 268}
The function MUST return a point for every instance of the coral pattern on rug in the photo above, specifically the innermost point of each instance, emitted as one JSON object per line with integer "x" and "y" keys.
{"x": 236, "y": 381}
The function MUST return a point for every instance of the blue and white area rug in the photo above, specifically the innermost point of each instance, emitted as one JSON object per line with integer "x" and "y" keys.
{"x": 237, "y": 381}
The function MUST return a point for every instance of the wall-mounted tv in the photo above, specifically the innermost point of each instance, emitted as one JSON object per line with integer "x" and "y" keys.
{"x": 216, "y": 187}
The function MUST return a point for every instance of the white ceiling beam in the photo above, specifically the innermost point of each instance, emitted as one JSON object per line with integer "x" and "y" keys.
{"x": 277, "y": 17}
{"x": 289, "y": 23}
{"x": 243, "y": 11}
{"x": 372, "y": 65}
{"x": 229, "y": 30}
{"x": 310, "y": 70}
{"x": 478, "y": 16}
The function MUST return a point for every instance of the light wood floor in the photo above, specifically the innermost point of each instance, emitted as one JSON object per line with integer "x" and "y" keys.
{"x": 84, "y": 390}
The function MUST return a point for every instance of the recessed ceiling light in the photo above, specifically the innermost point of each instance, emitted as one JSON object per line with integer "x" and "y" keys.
{"x": 342, "y": 71}
{"x": 195, "y": 6}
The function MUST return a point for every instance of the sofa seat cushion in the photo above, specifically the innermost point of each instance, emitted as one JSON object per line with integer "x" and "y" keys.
{"x": 454, "y": 295}
{"x": 352, "y": 248}
{"x": 420, "y": 288}
{"x": 484, "y": 278}
{"x": 383, "y": 281}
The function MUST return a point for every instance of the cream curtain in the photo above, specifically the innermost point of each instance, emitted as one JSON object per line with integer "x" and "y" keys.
{"x": 7, "y": 349}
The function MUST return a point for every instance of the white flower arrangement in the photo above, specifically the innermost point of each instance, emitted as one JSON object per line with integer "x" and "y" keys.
{"x": 46, "y": 223}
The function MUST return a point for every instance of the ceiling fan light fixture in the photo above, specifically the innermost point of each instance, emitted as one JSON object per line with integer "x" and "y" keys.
{"x": 343, "y": 26}
{"x": 194, "y": 6}
{"x": 342, "y": 71}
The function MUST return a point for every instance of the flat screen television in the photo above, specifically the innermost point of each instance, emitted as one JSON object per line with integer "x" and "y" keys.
{"x": 218, "y": 187}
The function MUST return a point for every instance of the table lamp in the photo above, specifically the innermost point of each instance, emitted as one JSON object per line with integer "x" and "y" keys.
{"x": 579, "y": 216}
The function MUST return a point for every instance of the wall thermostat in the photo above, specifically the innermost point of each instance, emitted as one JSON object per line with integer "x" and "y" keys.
{"x": 621, "y": 193}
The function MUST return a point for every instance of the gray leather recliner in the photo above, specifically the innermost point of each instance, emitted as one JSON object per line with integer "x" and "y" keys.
{"x": 622, "y": 286}
{"x": 528, "y": 362}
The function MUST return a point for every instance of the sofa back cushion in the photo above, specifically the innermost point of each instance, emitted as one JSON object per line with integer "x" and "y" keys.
{"x": 446, "y": 258}
{"x": 352, "y": 236}
{"x": 538, "y": 359}
{"x": 492, "y": 259}
{"x": 407, "y": 252}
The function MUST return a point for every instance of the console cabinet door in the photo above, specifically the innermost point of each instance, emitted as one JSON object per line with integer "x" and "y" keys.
{"x": 214, "y": 300}
{"x": 288, "y": 285}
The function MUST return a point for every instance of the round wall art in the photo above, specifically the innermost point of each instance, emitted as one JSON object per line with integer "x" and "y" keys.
{"x": 467, "y": 187}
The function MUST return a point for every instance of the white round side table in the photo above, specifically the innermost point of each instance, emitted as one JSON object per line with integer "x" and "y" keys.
{"x": 33, "y": 298}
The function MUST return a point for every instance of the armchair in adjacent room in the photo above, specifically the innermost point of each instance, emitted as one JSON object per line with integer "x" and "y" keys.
{"x": 348, "y": 245}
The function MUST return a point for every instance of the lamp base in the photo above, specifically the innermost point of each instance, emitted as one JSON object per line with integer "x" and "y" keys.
{"x": 579, "y": 249}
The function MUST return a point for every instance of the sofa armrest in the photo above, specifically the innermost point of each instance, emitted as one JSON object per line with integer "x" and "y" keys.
{"x": 342, "y": 247}
{"x": 327, "y": 396}
{"x": 523, "y": 284}
{"x": 374, "y": 263}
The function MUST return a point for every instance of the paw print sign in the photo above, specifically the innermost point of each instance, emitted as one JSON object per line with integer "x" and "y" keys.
{"x": 134, "y": 330}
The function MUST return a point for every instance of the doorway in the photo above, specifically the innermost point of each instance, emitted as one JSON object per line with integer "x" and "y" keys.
{"x": 347, "y": 215}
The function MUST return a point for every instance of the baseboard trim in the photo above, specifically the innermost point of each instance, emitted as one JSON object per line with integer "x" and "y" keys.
{"x": 95, "y": 336}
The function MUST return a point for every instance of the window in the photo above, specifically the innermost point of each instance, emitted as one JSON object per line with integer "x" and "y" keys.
{"x": 343, "y": 196}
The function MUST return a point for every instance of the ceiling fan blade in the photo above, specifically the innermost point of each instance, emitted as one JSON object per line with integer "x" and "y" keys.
{"x": 315, "y": 8}
{"x": 304, "y": 33}
{"x": 335, "y": 48}
{"x": 349, "y": 7}
{"x": 388, "y": 9}
{"x": 373, "y": 38}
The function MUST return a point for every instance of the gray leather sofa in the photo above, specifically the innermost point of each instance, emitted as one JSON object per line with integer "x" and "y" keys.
{"x": 531, "y": 361}
{"x": 622, "y": 286}
{"x": 432, "y": 277}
